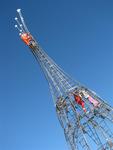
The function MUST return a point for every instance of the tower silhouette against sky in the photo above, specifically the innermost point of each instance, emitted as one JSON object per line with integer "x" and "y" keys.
{"x": 85, "y": 118}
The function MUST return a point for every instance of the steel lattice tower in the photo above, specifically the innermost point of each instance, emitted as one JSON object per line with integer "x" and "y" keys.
{"x": 83, "y": 115}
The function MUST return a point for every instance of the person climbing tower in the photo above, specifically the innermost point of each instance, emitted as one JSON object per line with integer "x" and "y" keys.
{"x": 79, "y": 101}
{"x": 91, "y": 99}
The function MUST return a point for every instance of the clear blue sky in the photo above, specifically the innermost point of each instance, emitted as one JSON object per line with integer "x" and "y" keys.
{"x": 78, "y": 35}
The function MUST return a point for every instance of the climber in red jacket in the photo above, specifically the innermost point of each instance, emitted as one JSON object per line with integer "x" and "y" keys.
{"x": 79, "y": 101}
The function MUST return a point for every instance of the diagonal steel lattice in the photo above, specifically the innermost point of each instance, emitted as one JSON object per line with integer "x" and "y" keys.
{"x": 85, "y": 117}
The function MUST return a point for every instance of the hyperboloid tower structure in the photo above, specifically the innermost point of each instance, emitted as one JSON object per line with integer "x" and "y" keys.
{"x": 85, "y": 117}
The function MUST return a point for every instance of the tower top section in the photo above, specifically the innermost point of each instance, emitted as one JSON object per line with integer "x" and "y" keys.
{"x": 59, "y": 82}
{"x": 22, "y": 28}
